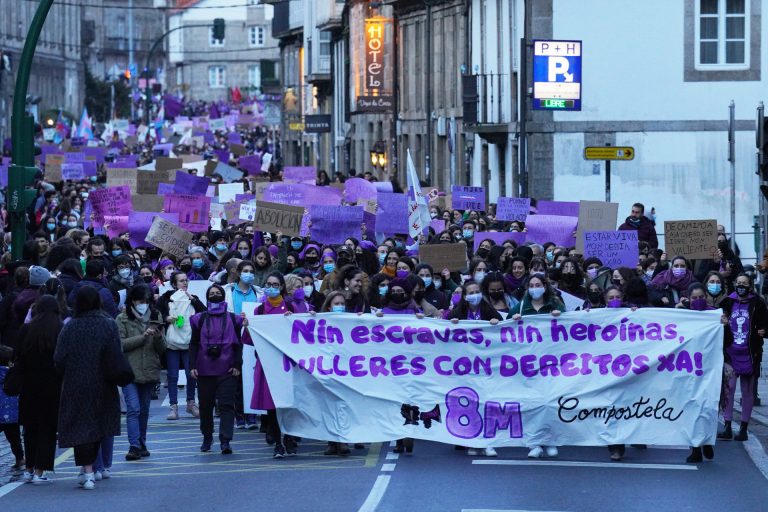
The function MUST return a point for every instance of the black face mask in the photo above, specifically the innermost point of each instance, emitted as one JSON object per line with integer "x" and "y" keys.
{"x": 147, "y": 279}
{"x": 615, "y": 282}
{"x": 398, "y": 298}
{"x": 496, "y": 295}
{"x": 594, "y": 297}
{"x": 343, "y": 262}
{"x": 186, "y": 267}
{"x": 741, "y": 291}
{"x": 311, "y": 259}
{"x": 418, "y": 296}
{"x": 568, "y": 278}
{"x": 482, "y": 252}
{"x": 217, "y": 299}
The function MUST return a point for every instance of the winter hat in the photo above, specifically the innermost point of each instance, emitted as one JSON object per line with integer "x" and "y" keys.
{"x": 402, "y": 283}
{"x": 38, "y": 275}
{"x": 367, "y": 245}
{"x": 273, "y": 250}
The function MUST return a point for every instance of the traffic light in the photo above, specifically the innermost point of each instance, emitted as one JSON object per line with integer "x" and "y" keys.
{"x": 218, "y": 29}
{"x": 20, "y": 195}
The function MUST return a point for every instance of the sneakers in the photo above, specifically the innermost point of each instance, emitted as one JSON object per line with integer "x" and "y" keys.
{"x": 251, "y": 423}
{"x": 240, "y": 423}
{"x": 473, "y": 452}
{"x": 536, "y": 452}
{"x": 289, "y": 442}
{"x": 41, "y": 480}
{"x": 87, "y": 481}
{"x": 551, "y": 451}
{"x": 97, "y": 475}
{"x": 134, "y": 453}
{"x": 206, "y": 446}
{"x": 173, "y": 414}
{"x": 144, "y": 451}
{"x": 490, "y": 452}
{"x": 193, "y": 409}
{"x": 279, "y": 452}
{"x": 225, "y": 448}
{"x": 106, "y": 474}
{"x": 26, "y": 477}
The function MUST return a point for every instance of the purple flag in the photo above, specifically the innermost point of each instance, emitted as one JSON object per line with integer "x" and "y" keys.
{"x": 214, "y": 111}
{"x": 173, "y": 106}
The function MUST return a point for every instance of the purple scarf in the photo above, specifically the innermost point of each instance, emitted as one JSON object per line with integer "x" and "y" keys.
{"x": 513, "y": 282}
{"x": 666, "y": 277}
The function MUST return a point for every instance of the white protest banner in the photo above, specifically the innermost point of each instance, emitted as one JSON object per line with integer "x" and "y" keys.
{"x": 607, "y": 376}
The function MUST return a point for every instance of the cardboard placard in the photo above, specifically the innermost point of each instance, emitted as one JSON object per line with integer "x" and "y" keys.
{"x": 440, "y": 256}
{"x": 169, "y": 237}
{"x": 274, "y": 217}
{"x": 237, "y": 149}
{"x": 118, "y": 177}
{"x": 468, "y": 198}
{"x": 147, "y": 202}
{"x": 168, "y": 164}
{"x": 53, "y": 173}
{"x": 694, "y": 239}
{"x": 595, "y": 216}
{"x": 147, "y": 181}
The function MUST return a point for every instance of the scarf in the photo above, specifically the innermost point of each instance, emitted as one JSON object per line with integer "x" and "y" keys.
{"x": 667, "y": 278}
{"x": 389, "y": 271}
{"x": 513, "y": 282}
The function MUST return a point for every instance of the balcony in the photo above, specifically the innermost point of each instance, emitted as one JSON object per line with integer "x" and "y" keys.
{"x": 488, "y": 105}
{"x": 288, "y": 18}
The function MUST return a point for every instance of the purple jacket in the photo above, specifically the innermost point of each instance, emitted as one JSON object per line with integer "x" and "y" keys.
{"x": 215, "y": 330}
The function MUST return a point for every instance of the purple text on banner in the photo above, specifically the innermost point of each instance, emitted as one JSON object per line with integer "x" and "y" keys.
{"x": 72, "y": 171}
{"x": 614, "y": 248}
{"x": 165, "y": 188}
{"x": 299, "y": 194}
{"x": 357, "y": 189}
{"x": 392, "y": 214}
{"x": 251, "y": 164}
{"x": 499, "y": 237}
{"x": 306, "y": 175}
{"x": 193, "y": 211}
{"x": 513, "y": 208}
{"x": 552, "y": 228}
{"x": 334, "y": 224}
{"x": 189, "y": 184}
{"x": 140, "y": 222}
{"x": 468, "y": 198}
{"x": 562, "y": 208}
{"x": 74, "y": 157}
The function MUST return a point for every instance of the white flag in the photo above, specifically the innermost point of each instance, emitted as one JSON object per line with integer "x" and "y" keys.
{"x": 418, "y": 210}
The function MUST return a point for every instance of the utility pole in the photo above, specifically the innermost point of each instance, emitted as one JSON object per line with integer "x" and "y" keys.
{"x": 732, "y": 159}
{"x": 130, "y": 53}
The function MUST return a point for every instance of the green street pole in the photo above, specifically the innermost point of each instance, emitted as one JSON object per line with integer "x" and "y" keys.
{"x": 23, "y": 136}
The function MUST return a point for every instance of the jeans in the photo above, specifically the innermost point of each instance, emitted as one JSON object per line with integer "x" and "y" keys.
{"x": 174, "y": 359}
{"x": 137, "y": 400}
{"x": 222, "y": 390}
{"x": 104, "y": 457}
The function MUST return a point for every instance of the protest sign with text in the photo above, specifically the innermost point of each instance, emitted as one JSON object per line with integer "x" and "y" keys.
{"x": 169, "y": 237}
{"x": 595, "y": 216}
{"x": 614, "y": 248}
{"x": 274, "y": 217}
{"x": 513, "y": 208}
{"x": 694, "y": 239}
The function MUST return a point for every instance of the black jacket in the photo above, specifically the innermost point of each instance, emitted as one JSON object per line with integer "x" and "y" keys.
{"x": 758, "y": 319}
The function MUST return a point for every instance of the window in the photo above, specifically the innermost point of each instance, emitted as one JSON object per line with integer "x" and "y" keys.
{"x": 217, "y": 76}
{"x": 722, "y": 34}
{"x": 256, "y": 36}
{"x": 213, "y": 41}
{"x": 254, "y": 76}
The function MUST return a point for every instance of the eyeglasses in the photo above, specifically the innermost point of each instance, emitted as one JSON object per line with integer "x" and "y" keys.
{"x": 273, "y": 284}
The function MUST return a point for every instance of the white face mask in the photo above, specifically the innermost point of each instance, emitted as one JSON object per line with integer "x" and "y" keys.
{"x": 308, "y": 289}
{"x": 479, "y": 276}
{"x": 141, "y": 308}
{"x": 167, "y": 274}
{"x": 536, "y": 293}
{"x": 125, "y": 273}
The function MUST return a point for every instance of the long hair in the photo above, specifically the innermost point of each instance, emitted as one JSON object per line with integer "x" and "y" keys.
{"x": 43, "y": 331}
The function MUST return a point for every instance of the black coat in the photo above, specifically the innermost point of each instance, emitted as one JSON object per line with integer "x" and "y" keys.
{"x": 90, "y": 409}
{"x": 41, "y": 385}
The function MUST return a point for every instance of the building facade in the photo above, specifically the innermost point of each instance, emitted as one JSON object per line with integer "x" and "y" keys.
{"x": 204, "y": 68}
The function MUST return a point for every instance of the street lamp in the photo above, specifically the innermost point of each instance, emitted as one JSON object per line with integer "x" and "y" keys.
{"x": 379, "y": 155}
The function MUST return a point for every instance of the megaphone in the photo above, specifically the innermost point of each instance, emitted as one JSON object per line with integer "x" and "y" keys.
{"x": 429, "y": 416}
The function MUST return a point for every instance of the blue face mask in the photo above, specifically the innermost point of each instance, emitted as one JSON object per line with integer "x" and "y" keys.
{"x": 51, "y": 227}
{"x": 427, "y": 281}
{"x": 221, "y": 247}
{"x": 197, "y": 263}
{"x": 383, "y": 290}
{"x": 246, "y": 277}
{"x": 382, "y": 257}
{"x": 272, "y": 292}
{"x": 116, "y": 253}
{"x": 550, "y": 256}
{"x": 467, "y": 233}
{"x": 94, "y": 178}
{"x": 714, "y": 289}
{"x": 398, "y": 243}
{"x": 338, "y": 309}
{"x": 329, "y": 267}
{"x": 296, "y": 245}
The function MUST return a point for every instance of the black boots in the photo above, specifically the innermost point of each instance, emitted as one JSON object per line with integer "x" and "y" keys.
{"x": 742, "y": 435}
{"x": 727, "y": 433}
{"x": 697, "y": 451}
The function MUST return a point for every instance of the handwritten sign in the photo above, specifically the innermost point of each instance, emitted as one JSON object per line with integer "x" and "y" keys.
{"x": 513, "y": 208}
{"x": 614, "y": 248}
{"x": 247, "y": 212}
{"x": 118, "y": 177}
{"x": 358, "y": 189}
{"x": 169, "y": 237}
{"x": 72, "y": 171}
{"x": 694, "y": 239}
{"x": 274, "y": 217}
{"x": 392, "y": 214}
{"x": 192, "y": 210}
{"x": 110, "y": 201}
{"x": 468, "y": 198}
{"x": 168, "y": 164}
{"x": 595, "y": 216}
{"x": 147, "y": 181}
{"x": 440, "y": 256}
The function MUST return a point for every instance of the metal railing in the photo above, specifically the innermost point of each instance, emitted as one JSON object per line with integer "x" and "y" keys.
{"x": 484, "y": 97}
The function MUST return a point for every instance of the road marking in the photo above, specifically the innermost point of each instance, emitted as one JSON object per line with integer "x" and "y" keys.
{"x": 566, "y": 463}
{"x": 9, "y": 487}
{"x": 388, "y": 467}
{"x": 376, "y": 494}
{"x": 757, "y": 453}
{"x": 393, "y": 456}
{"x": 393, "y": 443}
{"x": 167, "y": 401}
{"x": 61, "y": 459}
{"x": 373, "y": 455}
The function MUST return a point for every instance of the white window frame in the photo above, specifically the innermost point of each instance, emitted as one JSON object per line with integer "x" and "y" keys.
{"x": 215, "y": 43}
{"x": 217, "y": 77}
{"x": 257, "y": 36}
{"x": 253, "y": 71}
{"x": 721, "y": 38}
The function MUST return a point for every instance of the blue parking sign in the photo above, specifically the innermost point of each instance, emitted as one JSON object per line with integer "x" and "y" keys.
{"x": 557, "y": 75}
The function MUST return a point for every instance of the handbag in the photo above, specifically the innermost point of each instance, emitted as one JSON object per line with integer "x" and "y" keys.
{"x": 12, "y": 382}
{"x": 118, "y": 371}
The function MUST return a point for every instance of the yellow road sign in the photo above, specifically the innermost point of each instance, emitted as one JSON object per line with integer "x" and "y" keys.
{"x": 609, "y": 153}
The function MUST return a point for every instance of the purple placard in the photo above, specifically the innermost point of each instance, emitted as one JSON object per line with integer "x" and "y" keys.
{"x": 306, "y": 175}
{"x": 357, "y": 188}
{"x": 251, "y": 164}
{"x": 234, "y": 138}
{"x": 513, "y": 208}
{"x": 111, "y": 201}
{"x": 562, "y": 208}
{"x": 188, "y": 184}
{"x": 245, "y": 197}
{"x": 468, "y": 198}
{"x": 140, "y": 222}
{"x": 299, "y": 194}
{"x": 222, "y": 155}
{"x": 165, "y": 188}
{"x": 438, "y": 225}
{"x": 383, "y": 186}
{"x": 552, "y": 228}
{"x": 193, "y": 210}
{"x": 115, "y": 225}
{"x": 392, "y": 214}
{"x": 334, "y": 224}
{"x": 98, "y": 152}
{"x": 72, "y": 171}
{"x": 74, "y": 157}
{"x": 499, "y": 237}
{"x": 162, "y": 150}
{"x": 614, "y": 248}
{"x": 89, "y": 167}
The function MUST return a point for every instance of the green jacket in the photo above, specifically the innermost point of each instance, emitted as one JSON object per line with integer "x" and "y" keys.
{"x": 526, "y": 308}
{"x": 143, "y": 354}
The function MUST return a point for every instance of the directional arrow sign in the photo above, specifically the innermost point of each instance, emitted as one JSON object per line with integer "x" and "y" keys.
{"x": 609, "y": 153}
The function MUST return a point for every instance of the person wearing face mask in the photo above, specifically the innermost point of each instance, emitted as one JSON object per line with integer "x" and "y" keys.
{"x": 296, "y": 295}
{"x": 495, "y": 292}
{"x": 94, "y": 277}
{"x": 344, "y": 257}
{"x": 163, "y": 271}
{"x": 242, "y": 290}
{"x": 124, "y": 277}
{"x": 484, "y": 250}
{"x": 215, "y": 361}
{"x": 468, "y": 228}
{"x": 200, "y": 268}
{"x": 549, "y": 253}
{"x": 594, "y": 298}
{"x": 176, "y": 307}
{"x": 353, "y": 281}
{"x": 478, "y": 269}
{"x": 648, "y": 268}
{"x": 571, "y": 279}
{"x": 746, "y": 322}
{"x": 143, "y": 342}
{"x": 243, "y": 249}
{"x": 433, "y": 284}
{"x": 398, "y": 299}
{"x": 716, "y": 292}
{"x": 314, "y": 297}
{"x": 670, "y": 285}
{"x": 379, "y": 286}
{"x": 539, "y": 299}
{"x": 404, "y": 267}
{"x": 592, "y": 267}
{"x": 219, "y": 248}
{"x": 296, "y": 244}
{"x": 310, "y": 259}
{"x": 263, "y": 265}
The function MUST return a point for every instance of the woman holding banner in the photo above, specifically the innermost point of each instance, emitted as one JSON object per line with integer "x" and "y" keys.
{"x": 670, "y": 285}
{"x": 747, "y": 325}
{"x": 539, "y": 299}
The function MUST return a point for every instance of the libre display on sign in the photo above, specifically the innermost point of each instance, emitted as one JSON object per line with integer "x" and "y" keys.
{"x": 557, "y": 75}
